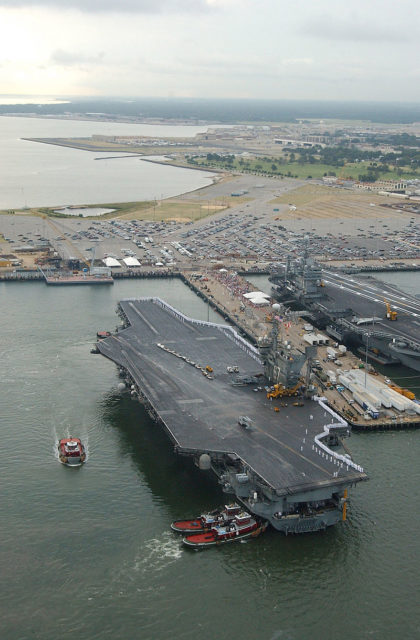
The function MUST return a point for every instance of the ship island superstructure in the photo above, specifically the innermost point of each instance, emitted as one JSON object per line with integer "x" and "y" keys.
{"x": 354, "y": 309}
{"x": 208, "y": 388}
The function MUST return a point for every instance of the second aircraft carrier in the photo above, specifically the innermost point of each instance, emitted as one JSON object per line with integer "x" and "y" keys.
{"x": 355, "y": 309}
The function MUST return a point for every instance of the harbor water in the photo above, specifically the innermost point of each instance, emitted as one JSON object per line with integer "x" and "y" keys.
{"x": 46, "y": 175}
{"x": 88, "y": 552}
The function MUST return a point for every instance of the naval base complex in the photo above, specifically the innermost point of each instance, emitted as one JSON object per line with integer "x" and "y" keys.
{"x": 210, "y": 390}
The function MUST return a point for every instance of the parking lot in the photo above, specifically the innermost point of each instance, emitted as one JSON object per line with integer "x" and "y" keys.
{"x": 256, "y": 229}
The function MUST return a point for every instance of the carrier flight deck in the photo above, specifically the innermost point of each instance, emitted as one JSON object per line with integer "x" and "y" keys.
{"x": 280, "y": 464}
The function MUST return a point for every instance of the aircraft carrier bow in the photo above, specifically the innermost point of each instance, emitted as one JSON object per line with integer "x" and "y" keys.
{"x": 207, "y": 387}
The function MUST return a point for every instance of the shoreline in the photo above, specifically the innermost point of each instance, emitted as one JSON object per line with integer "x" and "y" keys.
{"x": 216, "y": 178}
{"x": 147, "y": 121}
{"x": 183, "y": 166}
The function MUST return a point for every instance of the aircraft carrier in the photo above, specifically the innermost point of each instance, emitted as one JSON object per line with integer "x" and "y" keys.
{"x": 207, "y": 387}
{"x": 355, "y": 309}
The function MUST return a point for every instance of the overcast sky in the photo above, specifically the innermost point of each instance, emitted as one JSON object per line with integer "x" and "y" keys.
{"x": 309, "y": 49}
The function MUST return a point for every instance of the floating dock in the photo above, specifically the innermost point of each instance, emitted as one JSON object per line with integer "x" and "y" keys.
{"x": 283, "y": 465}
{"x": 77, "y": 279}
{"x": 62, "y": 278}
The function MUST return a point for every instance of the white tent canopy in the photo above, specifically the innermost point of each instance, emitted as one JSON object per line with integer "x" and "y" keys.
{"x": 256, "y": 294}
{"x": 131, "y": 262}
{"x": 258, "y": 297}
{"x": 260, "y": 301}
{"x": 111, "y": 262}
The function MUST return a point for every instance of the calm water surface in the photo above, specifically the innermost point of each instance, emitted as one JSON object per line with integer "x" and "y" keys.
{"x": 88, "y": 552}
{"x": 35, "y": 174}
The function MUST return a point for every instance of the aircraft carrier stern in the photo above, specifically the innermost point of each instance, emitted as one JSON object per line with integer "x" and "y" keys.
{"x": 206, "y": 386}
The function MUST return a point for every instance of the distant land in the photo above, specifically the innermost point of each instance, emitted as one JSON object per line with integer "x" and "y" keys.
{"x": 216, "y": 110}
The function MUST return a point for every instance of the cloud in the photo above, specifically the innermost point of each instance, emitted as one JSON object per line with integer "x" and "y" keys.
{"x": 288, "y": 62}
{"x": 71, "y": 59}
{"x": 119, "y": 6}
{"x": 329, "y": 27}
{"x": 219, "y": 67}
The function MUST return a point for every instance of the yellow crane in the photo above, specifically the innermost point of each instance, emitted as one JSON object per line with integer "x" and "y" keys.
{"x": 391, "y": 314}
{"x": 280, "y": 391}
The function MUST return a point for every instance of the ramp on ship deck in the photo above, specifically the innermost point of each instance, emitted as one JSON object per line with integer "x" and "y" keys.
{"x": 201, "y": 415}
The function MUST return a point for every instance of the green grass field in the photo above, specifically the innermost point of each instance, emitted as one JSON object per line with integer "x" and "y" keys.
{"x": 120, "y": 209}
{"x": 303, "y": 171}
{"x": 179, "y": 210}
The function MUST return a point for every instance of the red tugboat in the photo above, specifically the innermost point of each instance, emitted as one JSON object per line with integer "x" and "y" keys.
{"x": 242, "y": 526}
{"x": 207, "y": 520}
{"x": 71, "y": 451}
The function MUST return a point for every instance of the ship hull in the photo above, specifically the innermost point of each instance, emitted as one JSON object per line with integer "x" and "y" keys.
{"x": 289, "y": 525}
{"x": 206, "y": 540}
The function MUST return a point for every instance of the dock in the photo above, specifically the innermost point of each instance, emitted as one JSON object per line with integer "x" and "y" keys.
{"x": 68, "y": 278}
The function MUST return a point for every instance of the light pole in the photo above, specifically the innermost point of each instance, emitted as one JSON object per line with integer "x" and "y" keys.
{"x": 366, "y": 358}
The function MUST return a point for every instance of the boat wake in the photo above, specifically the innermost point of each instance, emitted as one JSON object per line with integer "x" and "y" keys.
{"x": 157, "y": 554}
